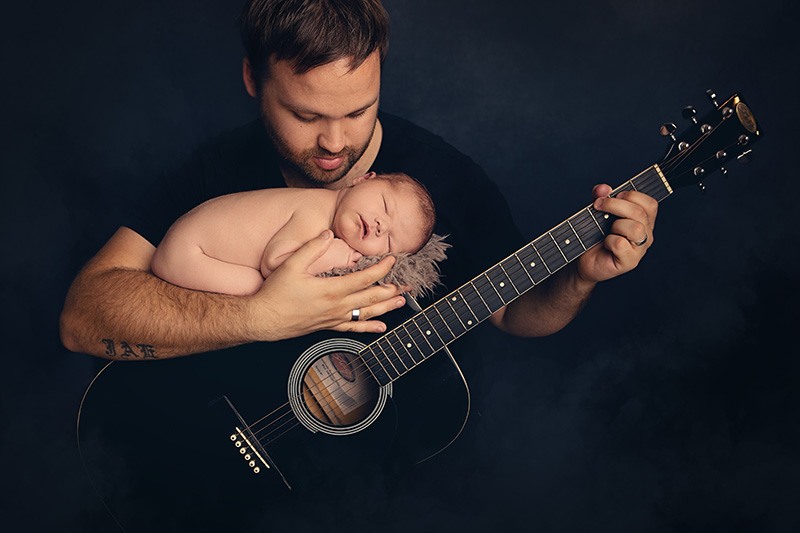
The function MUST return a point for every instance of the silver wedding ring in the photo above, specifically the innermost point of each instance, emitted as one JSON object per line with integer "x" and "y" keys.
{"x": 355, "y": 315}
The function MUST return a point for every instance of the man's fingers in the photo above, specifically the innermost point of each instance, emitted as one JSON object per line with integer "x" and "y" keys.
{"x": 369, "y": 276}
{"x": 305, "y": 256}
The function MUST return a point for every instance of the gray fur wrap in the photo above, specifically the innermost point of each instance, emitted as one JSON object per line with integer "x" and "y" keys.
{"x": 420, "y": 270}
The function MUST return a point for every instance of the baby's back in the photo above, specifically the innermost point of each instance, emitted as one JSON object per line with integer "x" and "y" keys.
{"x": 236, "y": 227}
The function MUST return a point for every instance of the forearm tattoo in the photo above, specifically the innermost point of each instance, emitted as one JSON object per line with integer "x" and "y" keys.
{"x": 125, "y": 350}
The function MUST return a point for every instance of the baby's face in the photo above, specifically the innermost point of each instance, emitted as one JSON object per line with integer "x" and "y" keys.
{"x": 375, "y": 217}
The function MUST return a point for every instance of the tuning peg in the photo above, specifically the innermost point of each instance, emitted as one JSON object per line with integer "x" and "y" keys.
{"x": 689, "y": 113}
{"x": 723, "y": 171}
{"x": 745, "y": 157}
{"x": 713, "y": 97}
{"x": 701, "y": 187}
{"x": 668, "y": 130}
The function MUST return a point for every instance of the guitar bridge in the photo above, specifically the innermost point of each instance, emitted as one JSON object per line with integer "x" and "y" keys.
{"x": 246, "y": 449}
{"x": 250, "y": 448}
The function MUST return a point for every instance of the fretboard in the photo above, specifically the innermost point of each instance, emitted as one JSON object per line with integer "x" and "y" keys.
{"x": 411, "y": 343}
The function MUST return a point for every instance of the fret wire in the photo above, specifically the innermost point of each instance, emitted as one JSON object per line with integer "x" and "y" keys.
{"x": 424, "y": 337}
{"x": 459, "y": 304}
{"x": 445, "y": 322}
{"x": 382, "y": 370}
{"x": 386, "y": 368}
{"x": 588, "y": 235}
{"x": 494, "y": 288}
{"x": 588, "y": 210}
{"x": 456, "y": 314}
{"x": 557, "y": 246}
{"x": 550, "y": 256}
{"x": 366, "y": 364}
{"x": 480, "y": 297}
{"x": 389, "y": 357}
{"x": 432, "y": 329}
{"x": 513, "y": 268}
{"x": 541, "y": 258}
{"x": 509, "y": 279}
{"x": 375, "y": 356}
{"x": 403, "y": 349}
{"x": 467, "y": 302}
{"x": 414, "y": 342}
{"x": 523, "y": 268}
{"x": 576, "y": 235}
{"x": 498, "y": 277}
{"x": 481, "y": 283}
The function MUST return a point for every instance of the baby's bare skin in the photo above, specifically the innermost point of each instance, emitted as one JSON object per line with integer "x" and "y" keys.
{"x": 230, "y": 244}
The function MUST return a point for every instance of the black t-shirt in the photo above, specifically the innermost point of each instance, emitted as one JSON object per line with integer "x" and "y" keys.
{"x": 429, "y": 405}
{"x": 469, "y": 208}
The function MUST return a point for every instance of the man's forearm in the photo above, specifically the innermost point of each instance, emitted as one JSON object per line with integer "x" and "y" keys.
{"x": 131, "y": 314}
{"x": 547, "y": 308}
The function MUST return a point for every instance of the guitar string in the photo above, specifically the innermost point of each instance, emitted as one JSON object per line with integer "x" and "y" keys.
{"x": 514, "y": 275}
{"x": 513, "y": 270}
{"x": 480, "y": 283}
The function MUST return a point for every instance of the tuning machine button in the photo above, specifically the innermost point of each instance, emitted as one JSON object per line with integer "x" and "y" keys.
{"x": 689, "y": 113}
{"x": 723, "y": 171}
{"x": 668, "y": 130}
{"x": 713, "y": 97}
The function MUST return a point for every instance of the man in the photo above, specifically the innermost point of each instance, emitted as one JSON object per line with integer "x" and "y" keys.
{"x": 314, "y": 69}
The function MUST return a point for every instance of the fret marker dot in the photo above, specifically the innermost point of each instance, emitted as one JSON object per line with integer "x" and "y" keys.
{"x": 469, "y": 322}
{"x": 408, "y": 345}
{"x": 428, "y": 332}
{"x": 502, "y": 284}
{"x": 454, "y": 298}
{"x": 533, "y": 264}
{"x": 605, "y": 216}
{"x": 566, "y": 241}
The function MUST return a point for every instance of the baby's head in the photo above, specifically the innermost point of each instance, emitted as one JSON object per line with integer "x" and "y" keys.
{"x": 384, "y": 213}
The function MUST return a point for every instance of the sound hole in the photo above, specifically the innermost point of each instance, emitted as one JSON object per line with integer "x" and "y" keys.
{"x": 338, "y": 389}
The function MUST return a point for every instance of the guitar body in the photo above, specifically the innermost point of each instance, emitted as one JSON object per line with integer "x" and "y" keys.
{"x": 181, "y": 440}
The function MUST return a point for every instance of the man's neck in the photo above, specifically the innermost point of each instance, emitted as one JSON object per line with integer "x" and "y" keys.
{"x": 362, "y": 166}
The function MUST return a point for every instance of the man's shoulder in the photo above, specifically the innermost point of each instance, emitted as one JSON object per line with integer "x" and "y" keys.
{"x": 403, "y": 139}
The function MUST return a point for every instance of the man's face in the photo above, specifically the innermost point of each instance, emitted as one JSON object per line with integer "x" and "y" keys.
{"x": 376, "y": 217}
{"x": 322, "y": 121}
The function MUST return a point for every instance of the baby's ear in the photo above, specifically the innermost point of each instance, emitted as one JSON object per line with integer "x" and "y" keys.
{"x": 367, "y": 176}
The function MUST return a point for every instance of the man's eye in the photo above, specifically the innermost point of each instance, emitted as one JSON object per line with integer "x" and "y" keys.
{"x": 357, "y": 114}
{"x": 302, "y": 118}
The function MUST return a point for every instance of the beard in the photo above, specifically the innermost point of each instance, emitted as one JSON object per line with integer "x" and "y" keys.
{"x": 302, "y": 162}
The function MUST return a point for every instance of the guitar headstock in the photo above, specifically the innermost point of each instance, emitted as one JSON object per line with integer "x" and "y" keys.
{"x": 725, "y": 133}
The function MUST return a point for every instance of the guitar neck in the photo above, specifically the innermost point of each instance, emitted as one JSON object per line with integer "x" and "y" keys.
{"x": 406, "y": 346}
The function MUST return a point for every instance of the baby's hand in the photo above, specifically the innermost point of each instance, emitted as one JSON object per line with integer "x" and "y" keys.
{"x": 343, "y": 255}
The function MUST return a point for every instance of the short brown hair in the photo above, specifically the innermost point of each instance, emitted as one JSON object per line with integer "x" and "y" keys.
{"x": 311, "y": 33}
{"x": 399, "y": 179}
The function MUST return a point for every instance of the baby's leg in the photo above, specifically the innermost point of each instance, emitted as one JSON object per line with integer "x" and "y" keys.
{"x": 196, "y": 270}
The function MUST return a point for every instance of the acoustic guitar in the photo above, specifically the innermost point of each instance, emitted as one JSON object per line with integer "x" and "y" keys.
{"x": 197, "y": 442}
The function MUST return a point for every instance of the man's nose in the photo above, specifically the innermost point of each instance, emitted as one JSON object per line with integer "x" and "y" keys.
{"x": 332, "y": 137}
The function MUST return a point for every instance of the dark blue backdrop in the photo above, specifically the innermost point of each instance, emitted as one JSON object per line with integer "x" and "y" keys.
{"x": 669, "y": 405}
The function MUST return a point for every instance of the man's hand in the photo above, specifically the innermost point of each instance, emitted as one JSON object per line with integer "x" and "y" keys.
{"x": 631, "y": 235}
{"x": 294, "y": 302}
{"x": 552, "y": 305}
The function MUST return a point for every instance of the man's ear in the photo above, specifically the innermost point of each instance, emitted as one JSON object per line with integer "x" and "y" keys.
{"x": 248, "y": 78}
{"x": 367, "y": 176}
